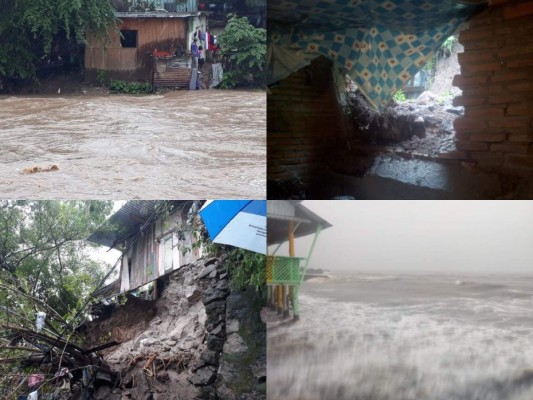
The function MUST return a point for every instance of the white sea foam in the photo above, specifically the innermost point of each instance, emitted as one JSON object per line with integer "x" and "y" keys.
{"x": 450, "y": 348}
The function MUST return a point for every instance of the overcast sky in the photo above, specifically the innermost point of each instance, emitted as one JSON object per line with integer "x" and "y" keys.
{"x": 423, "y": 236}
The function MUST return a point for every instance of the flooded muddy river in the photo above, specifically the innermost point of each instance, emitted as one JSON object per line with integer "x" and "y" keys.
{"x": 201, "y": 144}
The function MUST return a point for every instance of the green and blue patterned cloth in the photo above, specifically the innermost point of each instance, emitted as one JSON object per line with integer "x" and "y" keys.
{"x": 380, "y": 44}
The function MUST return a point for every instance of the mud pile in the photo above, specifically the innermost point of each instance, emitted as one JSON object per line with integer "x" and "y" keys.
{"x": 199, "y": 340}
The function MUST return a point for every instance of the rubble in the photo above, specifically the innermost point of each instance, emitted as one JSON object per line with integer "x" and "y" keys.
{"x": 420, "y": 127}
{"x": 175, "y": 347}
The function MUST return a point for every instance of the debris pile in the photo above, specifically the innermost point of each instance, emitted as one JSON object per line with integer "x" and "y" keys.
{"x": 423, "y": 126}
{"x": 199, "y": 339}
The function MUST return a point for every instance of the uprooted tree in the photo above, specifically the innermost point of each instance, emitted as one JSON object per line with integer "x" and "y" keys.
{"x": 45, "y": 267}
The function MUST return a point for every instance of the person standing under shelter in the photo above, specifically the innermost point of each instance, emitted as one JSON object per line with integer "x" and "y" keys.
{"x": 194, "y": 54}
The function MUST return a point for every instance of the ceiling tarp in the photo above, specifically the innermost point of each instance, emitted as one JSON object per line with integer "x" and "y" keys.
{"x": 380, "y": 44}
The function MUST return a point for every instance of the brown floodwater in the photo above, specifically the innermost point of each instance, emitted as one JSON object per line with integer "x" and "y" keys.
{"x": 198, "y": 144}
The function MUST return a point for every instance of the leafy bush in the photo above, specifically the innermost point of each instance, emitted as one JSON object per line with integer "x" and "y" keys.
{"x": 244, "y": 48}
{"x": 399, "y": 96}
{"x": 130, "y": 87}
{"x": 101, "y": 78}
{"x": 247, "y": 268}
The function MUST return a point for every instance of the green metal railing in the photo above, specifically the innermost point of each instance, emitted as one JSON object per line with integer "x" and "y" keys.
{"x": 283, "y": 270}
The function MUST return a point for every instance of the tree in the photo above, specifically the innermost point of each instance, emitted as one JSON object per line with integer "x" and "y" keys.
{"x": 45, "y": 266}
{"x": 28, "y": 29}
{"x": 244, "y": 47}
{"x": 44, "y": 256}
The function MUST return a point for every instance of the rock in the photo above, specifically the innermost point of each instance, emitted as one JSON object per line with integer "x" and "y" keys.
{"x": 213, "y": 274}
{"x": 426, "y": 98}
{"x": 203, "y": 376}
{"x": 162, "y": 376}
{"x": 234, "y": 344}
{"x": 215, "y": 343}
{"x": 102, "y": 393}
{"x": 207, "y": 271}
{"x": 215, "y": 307}
{"x": 232, "y": 326}
{"x": 218, "y": 331}
{"x": 213, "y": 294}
{"x": 193, "y": 296}
{"x": 149, "y": 342}
{"x": 418, "y": 127}
{"x": 171, "y": 343}
{"x": 210, "y": 357}
{"x": 456, "y": 110}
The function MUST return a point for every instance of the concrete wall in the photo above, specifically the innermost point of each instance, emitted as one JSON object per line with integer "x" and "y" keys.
{"x": 304, "y": 124}
{"x": 496, "y": 131}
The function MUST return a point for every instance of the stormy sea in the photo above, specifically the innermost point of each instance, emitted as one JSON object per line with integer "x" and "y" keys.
{"x": 403, "y": 337}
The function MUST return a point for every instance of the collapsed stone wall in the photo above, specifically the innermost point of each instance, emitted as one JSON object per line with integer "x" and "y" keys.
{"x": 193, "y": 346}
{"x": 496, "y": 78}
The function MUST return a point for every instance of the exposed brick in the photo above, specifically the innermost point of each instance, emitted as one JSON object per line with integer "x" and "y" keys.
{"x": 469, "y": 124}
{"x": 453, "y": 155}
{"x": 509, "y": 122}
{"x": 521, "y": 62}
{"x": 515, "y": 50}
{"x": 478, "y": 69}
{"x": 487, "y": 137}
{"x": 506, "y": 74}
{"x": 507, "y": 147}
{"x": 519, "y": 161}
{"x": 469, "y": 100}
{"x": 484, "y": 111}
{"x": 476, "y": 33}
{"x": 464, "y": 81}
{"x": 520, "y": 137}
{"x": 476, "y": 56}
{"x": 471, "y": 146}
{"x": 487, "y": 158}
{"x": 518, "y": 10}
{"x": 505, "y": 98}
{"x": 520, "y": 109}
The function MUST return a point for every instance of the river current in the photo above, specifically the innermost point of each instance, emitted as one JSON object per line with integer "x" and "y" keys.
{"x": 200, "y": 144}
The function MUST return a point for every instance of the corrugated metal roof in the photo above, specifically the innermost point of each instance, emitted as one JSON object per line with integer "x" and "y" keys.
{"x": 155, "y": 14}
{"x": 278, "y": 217}
{"x": 127, "y": 221}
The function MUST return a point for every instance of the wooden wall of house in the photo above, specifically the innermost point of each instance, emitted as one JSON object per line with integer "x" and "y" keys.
{"x": 146, "y": 257}
{"x": 166, "y": 34}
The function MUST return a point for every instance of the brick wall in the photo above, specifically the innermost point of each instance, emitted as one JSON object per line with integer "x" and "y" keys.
{"x": 497, "y": 82}
{"x": 304, "y": 124}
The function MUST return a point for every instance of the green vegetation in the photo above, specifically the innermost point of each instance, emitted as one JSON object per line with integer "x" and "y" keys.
{"x": 399, "y": 96}
{"x": 130, "y": 87}
{"x": 448, "y": 43}
{"x": 44, "y": 266}
{"x": 247, "y": 268}
{"x": 28, "y": 29}
{"x": 244, "y": 48}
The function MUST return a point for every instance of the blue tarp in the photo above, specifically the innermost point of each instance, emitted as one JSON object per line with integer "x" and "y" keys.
{"x": 380, "y": 44}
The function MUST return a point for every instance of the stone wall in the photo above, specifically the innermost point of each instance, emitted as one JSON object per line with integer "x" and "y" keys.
{"x": 496, "y": 131}
{"x": 304, "y": 123}
{"x": 199, "y": 340}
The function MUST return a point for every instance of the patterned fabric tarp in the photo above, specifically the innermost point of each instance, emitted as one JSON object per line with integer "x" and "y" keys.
{"x": 380, "y": 44}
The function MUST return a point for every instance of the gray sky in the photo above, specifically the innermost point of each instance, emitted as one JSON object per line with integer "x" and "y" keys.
{"x": 423, "y": 236}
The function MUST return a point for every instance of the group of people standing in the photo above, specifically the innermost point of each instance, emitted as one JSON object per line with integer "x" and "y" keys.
{"x": 202, "y": 41}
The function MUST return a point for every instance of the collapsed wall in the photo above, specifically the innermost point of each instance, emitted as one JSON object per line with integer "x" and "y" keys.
{"x": 496, "y": 131}
{"x": 200, "y": 339}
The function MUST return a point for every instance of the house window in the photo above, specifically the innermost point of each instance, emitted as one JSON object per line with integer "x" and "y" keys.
{"x": 167, "y": 253}
{"x": 128, "y": 39}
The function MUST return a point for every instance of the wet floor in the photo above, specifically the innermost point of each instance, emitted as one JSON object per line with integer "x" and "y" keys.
{"x": 202, "y": 144}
